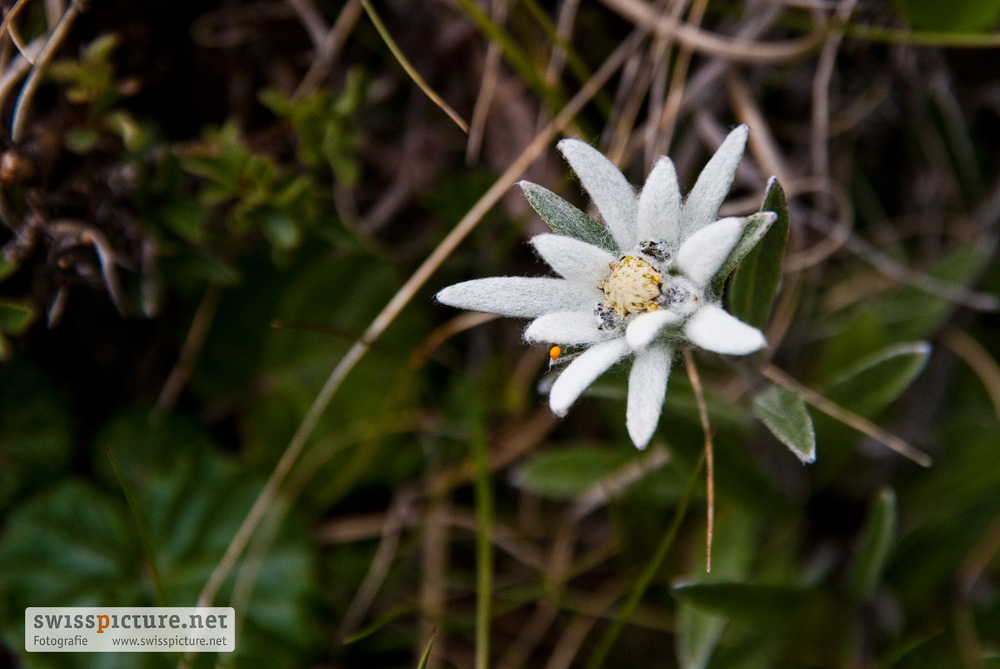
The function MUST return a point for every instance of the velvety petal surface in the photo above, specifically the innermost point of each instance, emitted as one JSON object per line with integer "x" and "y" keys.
{"x": 583, "y": 371}
{"x": 569, "y": 328}
{"x": 577, "y": 261}
{"x": 518, "y": 297}
{"x": 644, "y": 327}
{"x": 702, "y": 204}
{"x": 712, "y": 329}
{"x": 703, "y": 253}
{"x": 647, "y": 386}
{"x": 660, "y": 205}
{"x": 607, "y": 187}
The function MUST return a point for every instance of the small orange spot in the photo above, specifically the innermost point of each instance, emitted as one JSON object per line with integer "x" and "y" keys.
{"x": 554, "y": 353}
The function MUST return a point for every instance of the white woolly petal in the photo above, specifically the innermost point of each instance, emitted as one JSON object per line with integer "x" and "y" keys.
{"x": 519, "y": 297}
{"x": 644, "y": 328}
{"x": 660, "y": 205}
{"x": 703, "y": 202}
{"x": 647, "y": 386}
{"x": 713, "y": 329}
{"x": 567, "y": 327}
{"x": 607, "y": 187}
{"x": 577, "y": 261}
{"x": 583, "y": 371}
{"x": 701, "y": 256}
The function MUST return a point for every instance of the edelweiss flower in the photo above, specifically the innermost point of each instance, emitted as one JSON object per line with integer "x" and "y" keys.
{"x": 641, "y": 286}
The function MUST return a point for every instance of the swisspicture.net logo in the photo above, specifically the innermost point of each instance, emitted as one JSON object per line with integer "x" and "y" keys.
{"x": 131, "y": 629}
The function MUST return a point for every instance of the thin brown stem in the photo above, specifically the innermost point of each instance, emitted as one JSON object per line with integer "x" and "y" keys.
{"x": 190, "y": 349}
{"x": 19, "y": 120}
{"x": 706, "y": 426}
{"x": 332, "y": 45}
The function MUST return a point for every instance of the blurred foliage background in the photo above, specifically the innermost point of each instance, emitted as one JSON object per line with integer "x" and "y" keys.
{"x": 206, "y": 204}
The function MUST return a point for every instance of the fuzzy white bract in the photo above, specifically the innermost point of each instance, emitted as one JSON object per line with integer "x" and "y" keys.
{"x": 640, "y": 286}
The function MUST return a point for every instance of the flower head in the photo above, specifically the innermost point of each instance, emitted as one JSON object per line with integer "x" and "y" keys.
{"x": 639, "y": 286}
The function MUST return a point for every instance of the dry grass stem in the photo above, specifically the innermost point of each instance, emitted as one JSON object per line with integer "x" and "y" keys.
{"x": 706, "y": 426}
{"x": 410, "y": 70}
{"x": 19, "y": 120}
{"x": 484, "y": 100}
{"x": 579, "y": 628}
{"x": 434, "y": 580}
{"x": 761, "y": 142}
{"x": 835, "y": 237}
{"x": 195, "y": 340}
{"x": 444, "y": 332}
{"x": 615, "y": 483}
{"x": 670, "y": 111}
{"x": 10, "y": 15}
{"x": 819, "y": 146}
{"x": 401, "y": 513}
{"x": 312, "y": 20}
{"x": 326, "y": 56}
{"x": 711, "y": 44}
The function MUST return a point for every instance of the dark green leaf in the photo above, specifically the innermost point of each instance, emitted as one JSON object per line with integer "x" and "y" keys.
{"x": 186, "y": 218}
{"x": 913, "y": 313}
{"x": 755, "y": 281}
{"x": 565, "y": 219}
{"x": 7, "y": 267}
{"x": 861, "y": 335}
{"x": 568, "y": 473}
{"x": 872, "y": 383}
{"x": 757, "y": 226}
{"x": 14, "y": 317}
{"x": 279, "y": 228}
{"x": 876, "y": 539}
{"x": 785, "y": 415}
{"x": 758, "y": 605}
{"x": 955, "y": 16}
{"x": 75, "y": 546}
{"x": 72, "y": 546}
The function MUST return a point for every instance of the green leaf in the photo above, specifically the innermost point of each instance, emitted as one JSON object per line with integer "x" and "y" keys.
{"x": 955, "y": 16}
{"x": 872, "y": 383}
{"x": 755, "y": 281}
{"x": 876, "y": 539}
{"x": 757, "y": 226}
{"x": 426, "y": 656}
{"x": 912, "y": 313}
{"x": 7, "y": 267}
{"x": 82, "y": 140}
{"x": 754, "y": 605}
{"x": 279, "y": 228}
{"x": 862, "y": 334}
{"x": 186, "y": 218}
{"x": 785, "y": 415}
{"x": 75, "y": 546}
{"x": 72, "y": 546}
{"x": 565, "y": 219}
{"x": 568, "y": 473}
{"x": 207, "y": 266}
{"x": 14, "y": 317}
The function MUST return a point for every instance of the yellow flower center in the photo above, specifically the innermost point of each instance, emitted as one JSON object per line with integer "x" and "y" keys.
{"x": 632, "y": 287}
